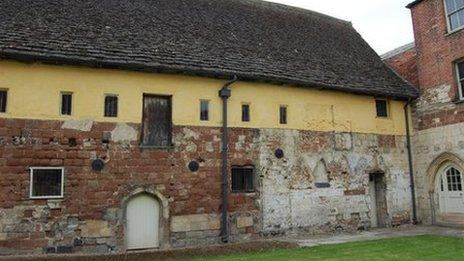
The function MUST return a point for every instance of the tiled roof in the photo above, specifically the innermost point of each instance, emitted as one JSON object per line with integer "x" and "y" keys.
{"x": 255, "y": 40}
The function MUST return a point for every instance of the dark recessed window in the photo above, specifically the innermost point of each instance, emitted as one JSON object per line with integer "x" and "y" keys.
{"x": 283, "y": 114}
{"x": 460, "y": 76}
{"x": 245, "y": 112}
{"x": 3, "y": 100}
{"x": 46, "y": 182}
{"x": 66, "y": 103}
{"x": 243, "y": 179}
{"x": 382, "y": 108}
{"x": 204, "y": 110}
{"x": 111, "y": 106}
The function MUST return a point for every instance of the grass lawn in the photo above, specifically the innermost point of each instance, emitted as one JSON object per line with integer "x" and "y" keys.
{"x": 406, "y": 248}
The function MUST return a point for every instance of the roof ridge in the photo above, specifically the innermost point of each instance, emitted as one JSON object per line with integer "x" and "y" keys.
{"x": 298, "y": 9}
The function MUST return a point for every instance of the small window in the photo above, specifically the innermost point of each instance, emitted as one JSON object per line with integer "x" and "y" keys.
{"x": 204, "y": 110}
{"x": 243, "y": 179}
{"x": 3, "y": 100}
{"x": 455, "y": 14}
{"x": 66, "y": 103}
{"x": 46, "y": 182}
{"x": 283, "y": 114}
{"x": 382, "y": 108}
{"x": 453, "y": 180}
{"x": 245, "y": 112}
{"x": 111, "y": 106}
{"x": 460, "y": 77}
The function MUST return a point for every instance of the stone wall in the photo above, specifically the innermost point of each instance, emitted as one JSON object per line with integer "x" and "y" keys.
{"x": 90, "y": 217}
{"x": 292, "y": 201}
{"x": 433, "y": 148}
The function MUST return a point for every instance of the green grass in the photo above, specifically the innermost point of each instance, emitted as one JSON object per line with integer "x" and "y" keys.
{"x": 406, "y": 248}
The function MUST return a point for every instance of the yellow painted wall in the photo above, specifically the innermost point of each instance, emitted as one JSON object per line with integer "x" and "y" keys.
{"x": 34, "y": 92}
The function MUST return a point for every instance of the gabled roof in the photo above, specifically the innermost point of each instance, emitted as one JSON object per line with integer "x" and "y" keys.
{"x": 255, "y": 40}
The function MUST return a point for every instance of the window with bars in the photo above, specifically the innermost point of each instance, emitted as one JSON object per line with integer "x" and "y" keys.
{"x": 204, "y": 110}
{"x": 245, "y": 112}
{"x": 66, "y": 103}
{"x": 382, "y": 108}
{"x": 460, "y": 77}
{"x": 453, "y": 180}
{"x": 3, "y": 100}
{"x": 283, "y": 114}
{"x": 455, "y": 14}
{"x": 243, "y": 179}
{"x": 46, "y": 182}
{"x": 111, "y": 106}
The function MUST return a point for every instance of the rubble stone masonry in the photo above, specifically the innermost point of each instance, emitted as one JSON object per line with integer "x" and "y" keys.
{"x": 90, "y": 217}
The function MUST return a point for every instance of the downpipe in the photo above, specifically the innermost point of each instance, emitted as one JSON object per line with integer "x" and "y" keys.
{"x": 225, "y": 94}
{"x": 411, "y": 169}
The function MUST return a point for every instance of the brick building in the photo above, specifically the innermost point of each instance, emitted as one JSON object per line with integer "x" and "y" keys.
{"x": 434, "y": 63}
{"x": 113, "y": 136}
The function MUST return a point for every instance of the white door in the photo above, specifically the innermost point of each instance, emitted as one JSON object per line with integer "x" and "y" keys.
{"x": 373, "y": 212}
{"x": 142, "y": 228}
{"x": 451, "y": 193}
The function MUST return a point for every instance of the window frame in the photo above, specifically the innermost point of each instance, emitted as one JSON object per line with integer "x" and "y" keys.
{"x": 249, "y": 112}
{"x": 448, "y": 16}
{"x": 207, "y": 102}
{"x": 6, "y": 102}
{"x": 459, "y": 79}
{"x": 253, "y": 180}
{"x": 117, "y": 105}
{"x": 387, "y": 108}
{"x": 61, "y": 103}
{"x": 31, "y": 176}
{"x": 280, "y": 114}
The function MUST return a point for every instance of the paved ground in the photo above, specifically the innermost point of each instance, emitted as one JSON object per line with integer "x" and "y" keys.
{"x": 306, "y": 241}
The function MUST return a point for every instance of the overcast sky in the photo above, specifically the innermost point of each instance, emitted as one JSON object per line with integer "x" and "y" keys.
{"x": 384, "y": 24}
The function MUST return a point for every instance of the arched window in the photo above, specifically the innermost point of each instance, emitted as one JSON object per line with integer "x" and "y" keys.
{"x": 452, "y": 179}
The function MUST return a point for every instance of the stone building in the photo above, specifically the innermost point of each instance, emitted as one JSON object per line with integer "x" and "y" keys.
{"x": 435, "y": 64}
{"x": 142, "y": 124}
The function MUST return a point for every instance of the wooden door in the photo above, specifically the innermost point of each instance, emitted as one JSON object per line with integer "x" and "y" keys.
{"x": 451, "y": 192}
{"x": 142, "y": 230}
{"x": 157, "y": 121}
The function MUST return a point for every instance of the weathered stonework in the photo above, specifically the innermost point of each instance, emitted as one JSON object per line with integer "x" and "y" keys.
{"x": 91, "y": 216}
{"x": 290, "y": 199}
{"x": 432, "y": 144}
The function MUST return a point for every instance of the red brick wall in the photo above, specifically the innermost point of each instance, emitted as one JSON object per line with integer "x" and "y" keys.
{"x": 436, "y": 52}
{"x": 88, "y": 195}
{"x": 405, "y": 64}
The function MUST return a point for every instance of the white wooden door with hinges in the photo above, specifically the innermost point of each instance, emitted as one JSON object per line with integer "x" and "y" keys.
{"x": 142, "y": 229}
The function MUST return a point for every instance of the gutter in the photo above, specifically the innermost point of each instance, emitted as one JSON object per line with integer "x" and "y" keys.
{"x": 225, "y": 94}
{"x": 411, "y": 169}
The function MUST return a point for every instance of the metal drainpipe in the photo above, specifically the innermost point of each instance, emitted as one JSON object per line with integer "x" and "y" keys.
{"x": 411, "y": 169}
{"x": 225, "y": 94}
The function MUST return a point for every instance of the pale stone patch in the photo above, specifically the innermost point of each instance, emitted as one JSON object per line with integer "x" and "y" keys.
{"x": 123, "y": 132}
{"x": 195, "y": 223}
{"x": 95, "y": 228}
{"x": 81, "y": 125}
{"x": 243, "y": 222}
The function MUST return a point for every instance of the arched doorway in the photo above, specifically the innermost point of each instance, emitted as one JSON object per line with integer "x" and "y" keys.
{"x": 143, "y": 222}
{"x": 450, "y": 185}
